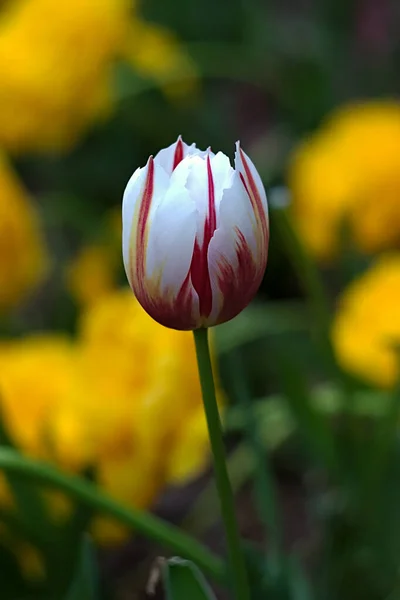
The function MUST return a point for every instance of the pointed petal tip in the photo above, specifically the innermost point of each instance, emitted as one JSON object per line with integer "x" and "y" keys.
{"x": 238, "y": 151}
{"x": 180, "y": 140}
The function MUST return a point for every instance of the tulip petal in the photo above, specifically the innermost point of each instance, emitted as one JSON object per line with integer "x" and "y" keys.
{"x": 142, "y": 195}
{"x": 132, "y": 192}
{"x": 171, "y": 241}
{"x": 169, "y": 158}
{"x": 254, "y": 187}
{"x": 206, "y": 225}
{"x": 236, "y": 262}
{"x": 223, "y": 175}
{"x": 258, "y": 198}
{"x": 168, "y": 294}
{"x": 198, "y": 185}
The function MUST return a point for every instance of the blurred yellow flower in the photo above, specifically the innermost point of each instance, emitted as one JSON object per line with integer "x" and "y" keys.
{"x": 30, "y": 560}
{"x": 92, "y": 274}
{"x": 366, "y": 329}
{"x": 347, "y": 175}
{"x": 23, "y": 259}
{"x": 189, "y": 449}
{"x": 56, "y": 66}
{"x": 154, "y": 51}
{"x": 35, "y": 378}
{"x": 123, "y": 398}
{"x": 149, "y": 372}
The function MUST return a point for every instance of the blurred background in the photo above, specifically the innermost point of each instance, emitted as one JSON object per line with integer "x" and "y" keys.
{"x": 88, "y": 90}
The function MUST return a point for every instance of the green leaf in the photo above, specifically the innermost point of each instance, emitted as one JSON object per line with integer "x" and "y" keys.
{"x": 183, "y": 580}
{"x": 266, "y": 582}
{"x": 298, "y": 583}
{"x": 203, "y": 513}
{"x": 67, "y": 541}
{"x": 312, "y": 424}
{"x": 264, "y": 485}
{"x": 306, "y": 269}
{"x": 13, "y": 584}
{"x": 30, "y": 506}
{"x": 258, "y": 322}
{"x": 165, "y": 533}
{"x": 84, "y": 584}
{"x": 276, "y": 425}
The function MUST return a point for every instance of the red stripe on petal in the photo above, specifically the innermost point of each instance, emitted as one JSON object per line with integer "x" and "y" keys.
{"x": 178, "y": 313}
{"x": 178, "y": 154}
{"x": 199, "y": 267}
{"x": 173, "y": 311}
{"x": 245, "y": 184}
{"x": 254, "y": 195}
{"x": 212, "y": 214}
{"x": 138, "y": 265}
{"x": 201, "y": 278}
{"x": 238, "y": 283}
{"x": 171, "y": 308}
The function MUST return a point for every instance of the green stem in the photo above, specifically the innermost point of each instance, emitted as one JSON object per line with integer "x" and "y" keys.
{"x": 202, "y": 514}
{"x": 164, "y": 533}
{"x": 236, "y": 560}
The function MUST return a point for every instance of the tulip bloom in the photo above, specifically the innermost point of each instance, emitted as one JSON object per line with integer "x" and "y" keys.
{"x": 195, "y": 235}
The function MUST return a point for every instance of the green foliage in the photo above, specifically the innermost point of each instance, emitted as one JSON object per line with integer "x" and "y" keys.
{"x": 31, "y": 515}
{"x": 183, "y": 580}
{"x": 85, "y": 581}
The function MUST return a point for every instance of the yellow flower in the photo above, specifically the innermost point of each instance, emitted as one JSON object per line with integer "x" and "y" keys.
{"x": 35, "y": 378}
{"x": 154, "y": 51}
{"x": 366, "y": 329}
{"x": 30, "y": 560}
{"x": 22, "y": 254}
{"x": 347, "y": 175}
{"x": 149, "y": 372}
{"x": 92, "y": 274}
{"x": 189, "y": 450}
{"x": 124, "y": 397}
{"x": 56, "y": 66}
{"x": 146, "y": 394}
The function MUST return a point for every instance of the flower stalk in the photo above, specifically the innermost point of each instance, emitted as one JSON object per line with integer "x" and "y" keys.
{"x": 237, "y": 567}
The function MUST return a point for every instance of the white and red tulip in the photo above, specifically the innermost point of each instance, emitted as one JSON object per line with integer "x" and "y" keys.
{"x": 195, "y": 235}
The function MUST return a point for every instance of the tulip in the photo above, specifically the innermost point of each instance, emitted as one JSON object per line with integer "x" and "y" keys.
{"x": 195, "y": 235}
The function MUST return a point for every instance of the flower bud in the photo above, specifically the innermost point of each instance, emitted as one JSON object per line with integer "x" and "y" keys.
{"x": 195, "y": 235}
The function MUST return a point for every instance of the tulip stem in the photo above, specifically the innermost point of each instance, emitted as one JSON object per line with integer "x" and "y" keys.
{"x": 236, "y": 561}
